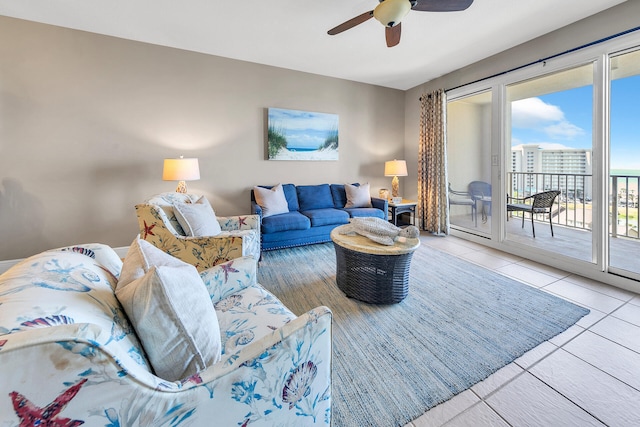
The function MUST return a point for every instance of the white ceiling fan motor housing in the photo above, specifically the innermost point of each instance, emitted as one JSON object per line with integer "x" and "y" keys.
{"x": 391, "y": 12}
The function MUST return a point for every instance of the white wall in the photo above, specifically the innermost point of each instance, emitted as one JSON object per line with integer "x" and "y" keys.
{"x": 465, "y": 150}
{"x": 86, "y": 120}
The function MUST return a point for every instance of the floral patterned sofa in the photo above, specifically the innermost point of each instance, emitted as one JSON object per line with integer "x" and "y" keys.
{"x": 239, "y": 236}
{"x": 69, "y": 355}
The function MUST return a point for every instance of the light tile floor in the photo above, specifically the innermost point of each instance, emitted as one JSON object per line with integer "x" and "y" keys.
{"x": 588, "y": 375}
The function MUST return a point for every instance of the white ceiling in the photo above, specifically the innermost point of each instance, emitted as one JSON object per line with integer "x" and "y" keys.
{"x": 293, "y": 33}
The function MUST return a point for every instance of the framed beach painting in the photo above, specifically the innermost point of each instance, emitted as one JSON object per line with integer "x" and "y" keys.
{"x": 301, "y": 135}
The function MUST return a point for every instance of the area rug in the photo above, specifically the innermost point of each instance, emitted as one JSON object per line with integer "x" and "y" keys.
{"x": 391, "y": 363}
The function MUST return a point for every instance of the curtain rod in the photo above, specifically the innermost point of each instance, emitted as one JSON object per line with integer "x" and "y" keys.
{"x": 547, "y": 58}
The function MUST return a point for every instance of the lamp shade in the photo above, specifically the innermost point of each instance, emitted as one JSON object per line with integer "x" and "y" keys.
{"x": 180, "y": 169}
{"x": 395, "y": 168}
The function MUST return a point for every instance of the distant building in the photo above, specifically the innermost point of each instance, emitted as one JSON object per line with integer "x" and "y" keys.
{"x": 555, "y": 168}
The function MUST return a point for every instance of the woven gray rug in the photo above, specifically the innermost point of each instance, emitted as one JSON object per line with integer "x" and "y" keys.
{"x": 391, "y": 363}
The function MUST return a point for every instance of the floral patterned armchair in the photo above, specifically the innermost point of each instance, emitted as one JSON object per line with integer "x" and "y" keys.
{"x": 158, "y": 224}
{"x": 70, "y": 356}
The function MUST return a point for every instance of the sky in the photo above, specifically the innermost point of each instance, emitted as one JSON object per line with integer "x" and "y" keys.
{"x": 304, "y": 129}
{"x": 565, "y": 118}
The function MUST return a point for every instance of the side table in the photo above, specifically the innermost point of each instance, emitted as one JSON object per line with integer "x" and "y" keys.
{"x": 397, "y": 209}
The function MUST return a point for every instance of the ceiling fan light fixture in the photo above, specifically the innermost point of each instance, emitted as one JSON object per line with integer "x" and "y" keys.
{"x": 391, "y": 12}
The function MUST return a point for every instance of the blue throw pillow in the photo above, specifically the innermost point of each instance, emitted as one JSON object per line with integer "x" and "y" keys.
{"x": 314, "y": 197}
{"x": 292, "y": 197}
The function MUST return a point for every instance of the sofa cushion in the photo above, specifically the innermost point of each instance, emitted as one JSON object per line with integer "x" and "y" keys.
{"x": 285, "y": 222}
{"x": 229, "y": 277}
{"x": 320, "y": 217}
{"x": 173, "y": 316}
{"x": 357, "y": 196}
{"x": 314, "y": 197}
{"x": 339, "y": 195}
{"x": 58, "y": 288}
{"x": 271, "y": 200}
{"x": 248, "y": 315}
{"x": 291, "y": 194}
{"x": 197, "y": 219}
{"x": 365, "y": 212}
{"x": 103, "y": 254}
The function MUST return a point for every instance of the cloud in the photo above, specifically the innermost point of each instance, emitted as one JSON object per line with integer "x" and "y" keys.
{"x": 303, "y": 120}
{"x": 542, "y": 145}
{"x": 535, "y": 114}
{"x": 563, "y": 130}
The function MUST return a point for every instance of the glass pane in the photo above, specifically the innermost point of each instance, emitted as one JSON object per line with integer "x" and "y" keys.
{"x": 469, "y": 163}
{"x": 624, "y": 164}
{"x": 551, "y": 148}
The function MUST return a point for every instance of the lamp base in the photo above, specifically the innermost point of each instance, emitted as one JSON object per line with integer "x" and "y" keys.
{"x": 396, "y": 200}
{"x": 182, "y": 187}
{"x": 395, "y": 186}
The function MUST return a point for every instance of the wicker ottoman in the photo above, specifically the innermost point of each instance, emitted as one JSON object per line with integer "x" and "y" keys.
{"x": 371, "y": 272}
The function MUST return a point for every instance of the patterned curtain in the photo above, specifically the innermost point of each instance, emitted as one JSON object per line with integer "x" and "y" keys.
{"x": 433, "y": 204}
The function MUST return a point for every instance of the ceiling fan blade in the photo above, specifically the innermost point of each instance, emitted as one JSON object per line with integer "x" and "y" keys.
{"x": 351, "y": 23}
{"x": 441, "y": 5}
{"x": 392, "y": 34}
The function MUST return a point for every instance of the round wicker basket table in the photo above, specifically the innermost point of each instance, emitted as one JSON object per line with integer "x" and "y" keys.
{"x": 372, "y": 272}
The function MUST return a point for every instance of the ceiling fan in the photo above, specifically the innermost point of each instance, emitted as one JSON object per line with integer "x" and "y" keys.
{"x": 390, "y": 12}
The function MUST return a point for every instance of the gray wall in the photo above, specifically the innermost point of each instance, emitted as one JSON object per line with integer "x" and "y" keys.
{"x": 607, "y": 23}
{"x": 86, "y": 121}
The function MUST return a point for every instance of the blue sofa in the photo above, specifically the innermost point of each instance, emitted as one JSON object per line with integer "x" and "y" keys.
{"x": 314, "y": 210}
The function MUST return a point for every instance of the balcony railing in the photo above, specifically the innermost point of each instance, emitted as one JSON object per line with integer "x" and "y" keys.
{"x": 624, "y": 201}
{"x": 573, "y": 207}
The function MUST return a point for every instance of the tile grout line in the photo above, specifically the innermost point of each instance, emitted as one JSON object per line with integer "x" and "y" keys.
{"x": 624, "y": 302}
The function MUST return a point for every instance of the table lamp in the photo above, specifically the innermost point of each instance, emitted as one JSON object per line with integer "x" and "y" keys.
{"x": 395, "y": 168}
{"x": 181, "y": 170}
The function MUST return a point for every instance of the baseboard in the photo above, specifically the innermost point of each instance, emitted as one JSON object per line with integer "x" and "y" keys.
{"x": 121, "y": 251}
{"x": 5, "y": 265}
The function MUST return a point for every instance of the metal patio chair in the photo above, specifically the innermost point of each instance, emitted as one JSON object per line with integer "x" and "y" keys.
{"x": 539, "y": 203}
{"x": 480, "y": 192}
{"x": 463, "y": 198}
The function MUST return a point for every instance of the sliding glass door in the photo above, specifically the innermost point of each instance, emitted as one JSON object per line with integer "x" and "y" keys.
{"x": 550, "y": 149}
{"x": 569, "y": 124}
{"x": 624, "y": 163}
{"x": 469, "y": 163}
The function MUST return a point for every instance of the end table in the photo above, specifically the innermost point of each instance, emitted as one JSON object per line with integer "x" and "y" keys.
{"x": 397, "y": 209}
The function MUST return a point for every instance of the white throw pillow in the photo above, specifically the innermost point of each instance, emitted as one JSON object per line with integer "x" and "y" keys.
{"x": 272, "y": 201}
{"x": 170, "y": 309}
{"x": 141, "y": 256}
{"x": 197, "y": 219}
{"x": 357, "y": 197}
